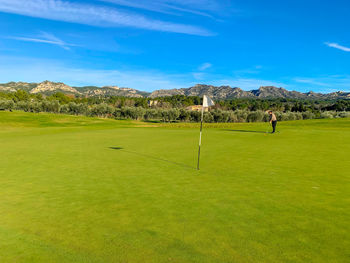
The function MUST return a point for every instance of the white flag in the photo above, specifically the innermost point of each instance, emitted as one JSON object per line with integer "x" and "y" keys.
{"x": 207, "y": 102}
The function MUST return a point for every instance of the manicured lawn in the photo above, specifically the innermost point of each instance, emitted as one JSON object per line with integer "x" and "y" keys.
{"x": 76, "y": 189}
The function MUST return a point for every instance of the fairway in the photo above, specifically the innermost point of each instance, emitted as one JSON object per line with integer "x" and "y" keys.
{"x": 78, "y": 189}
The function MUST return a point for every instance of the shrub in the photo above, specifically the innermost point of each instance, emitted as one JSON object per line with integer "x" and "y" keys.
{"x": 117, "y": 114}
{"x": 343, "y": 114}
{"x": 255, "y": 116}
{"x": 50, "y": 106}
{"x": 173, "y": 114}
{"x": 73, "y": 108}
{"x": 23, "y": 105}
{"x": 326, "y": 115}
{"x": 208, "y": 117}
{"x": 64, "y": 109}
{"x": 151, "y": 114}
{"x": 232, "y": 117}
{"x": 6, "y": 104}
{"x": 307, "y": 115}
{"x": 218, "y": 115}
{"x": 167, "y": 111}
{"x": 195, "y": 116}
{"x": 134, "y": 113}
{"x": 170, "y": 115}
{"x": 35, "y": 107}
{"x": 288, "y": 116}
{"x": 185, "y": 115}
{"x": 298, "y": 115}
{"x": 241, "y": 115}
{"x": 266, "y": 117}
{"x": 279, "y": 115}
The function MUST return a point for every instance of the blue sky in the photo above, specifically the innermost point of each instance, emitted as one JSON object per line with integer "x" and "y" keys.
{"x": 164, "y": 44}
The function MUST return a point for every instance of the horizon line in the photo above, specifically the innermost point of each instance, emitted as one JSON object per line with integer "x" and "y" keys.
{"x": 198, "y": 84}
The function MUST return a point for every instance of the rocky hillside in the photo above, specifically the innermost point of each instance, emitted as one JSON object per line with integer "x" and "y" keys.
{"x": 111, "y": 91}
{"x": 48, "y": 88}
{"x": 226, "y": 92}
{"x": 223, "y": 92}
{"x": 218, "y": 93}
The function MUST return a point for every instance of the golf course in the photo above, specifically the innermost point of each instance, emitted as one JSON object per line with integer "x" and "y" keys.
{"x": 80, "y": 189}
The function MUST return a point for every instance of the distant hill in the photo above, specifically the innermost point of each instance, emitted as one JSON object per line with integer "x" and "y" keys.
{"x": 223, "y": 92}
{"x": 218, "y": 93}
{"x": 227, "y": 92}
{"x": 48, "y": 88}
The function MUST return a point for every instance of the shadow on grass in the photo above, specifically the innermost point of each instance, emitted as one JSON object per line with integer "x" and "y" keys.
{"x": 248, "y": 131}
{"x": 151, "y": 121}
{"x": 116, "y": 148}
{"x": 158, "y": 121}
{"x": 152, "y": 157}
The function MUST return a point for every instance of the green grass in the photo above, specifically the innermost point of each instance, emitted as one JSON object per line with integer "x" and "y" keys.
{"x": 67, "y": 196}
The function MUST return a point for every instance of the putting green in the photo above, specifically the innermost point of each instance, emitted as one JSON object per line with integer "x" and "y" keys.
{"x": 76, "y": 189}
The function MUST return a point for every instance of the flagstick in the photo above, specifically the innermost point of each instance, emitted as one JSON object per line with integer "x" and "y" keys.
{"x": 200, "y": 138}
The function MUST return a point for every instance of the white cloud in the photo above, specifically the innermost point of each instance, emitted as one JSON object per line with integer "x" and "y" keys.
{"x": 327, "y": 83}
{"x": 45, "y": 38}
{"x": 94, "y": 15}
{"x": 172, "y": 7}
{"x": 205, "y": 66}
{"x": 337, "y": 46}
{"x": 198, "y": 75}
{"x": 242, "y": 73}
{"x": 311, "y": 81}
{"x": 201, "y": 75}
{"x": 37, "y": 70}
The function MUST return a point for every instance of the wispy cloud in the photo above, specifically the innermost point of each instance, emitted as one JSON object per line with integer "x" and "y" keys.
{"x": 199, "y": 76}
{"x": 95, "y": 15}
{"x": 311, "y": 81}
{"x": 201, "y": 73}
{"x": 205, "y": 66}
{"x": 172, "y": 7}
{"x": 45, "y": 38}
{"x": 36, "y": 70}
{"x": 14, "y": 68}
{"x": 246, "y": 72}
{"x": 337, "y": 46}
{"x": 326, "y": 83}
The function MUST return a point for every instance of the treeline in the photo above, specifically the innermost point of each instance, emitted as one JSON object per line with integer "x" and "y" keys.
{"x": 181, "y": 101}
{"x": 166, "y": 115}
{"x": 286, "y": 105}
{"x": 177, "y": 101}
{"x": 134, "y": 108}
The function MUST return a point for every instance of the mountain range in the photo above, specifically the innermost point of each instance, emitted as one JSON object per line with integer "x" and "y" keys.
{"x": 217, "y": 93}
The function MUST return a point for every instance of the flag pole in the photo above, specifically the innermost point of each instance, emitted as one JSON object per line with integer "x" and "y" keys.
{"x": 200, "y": 137}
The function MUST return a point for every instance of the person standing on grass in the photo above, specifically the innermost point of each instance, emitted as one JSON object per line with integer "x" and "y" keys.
{"x": 273, "y": 121}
